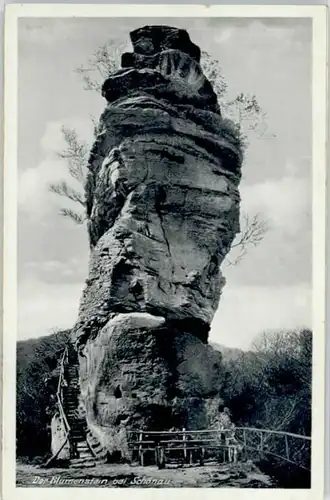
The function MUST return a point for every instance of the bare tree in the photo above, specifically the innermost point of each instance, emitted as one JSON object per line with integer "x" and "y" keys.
{"x": 104, "y": 61}
{"x": 243, "y": 110}
{"x": 248, "y": 117}
{"x": 287, "y": 356}
{"x": 213, "y": 71}
{"x": 253, "y": 230}
{"x": 278, "y": 343}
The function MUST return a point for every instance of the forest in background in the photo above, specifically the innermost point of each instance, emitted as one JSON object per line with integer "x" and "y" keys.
{"x": 268, "y": 386}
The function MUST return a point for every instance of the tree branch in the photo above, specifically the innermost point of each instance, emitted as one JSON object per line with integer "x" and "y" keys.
{"x": 71, "y": 214}
{"x": 254, "y": 230}
{"x": 63, "y": 189}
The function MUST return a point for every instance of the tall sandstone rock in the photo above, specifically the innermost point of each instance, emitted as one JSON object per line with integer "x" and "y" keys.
{"x": 163, "y": 210}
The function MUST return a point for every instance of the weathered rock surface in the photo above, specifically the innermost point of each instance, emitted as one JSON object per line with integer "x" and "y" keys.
{"x": 147, "y": 375}
{"x": 154, "y": 39}
{"x": 163, "y": 210}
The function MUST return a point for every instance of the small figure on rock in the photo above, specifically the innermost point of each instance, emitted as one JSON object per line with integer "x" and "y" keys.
{"x": 122, "y": 440}
{"x": 233, "y": 444}
{"x": 224, "y": 418}
{"x": 222, "y": 422}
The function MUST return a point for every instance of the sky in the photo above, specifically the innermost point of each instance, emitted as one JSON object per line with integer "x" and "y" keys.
{"x": 271, "y": 287}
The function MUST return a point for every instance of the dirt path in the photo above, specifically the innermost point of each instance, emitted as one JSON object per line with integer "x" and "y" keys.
{"x": 242, "y": 475}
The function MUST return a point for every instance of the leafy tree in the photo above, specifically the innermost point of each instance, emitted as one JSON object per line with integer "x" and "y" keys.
{"x": 271, "y": 384}
{"x": 37, "y": 377}
{"x": 244, "y": 111}
{"x": 76, "y": 156}
{"x": 269, "y": 387}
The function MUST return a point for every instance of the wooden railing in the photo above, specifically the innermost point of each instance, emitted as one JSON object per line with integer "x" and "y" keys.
{"x": 59, "y": 404}
{"x": 247, "y": 442}
{"x": 286, "y": 446}
{"x": 186, "y": 443}
{"x": 59, "y": 392}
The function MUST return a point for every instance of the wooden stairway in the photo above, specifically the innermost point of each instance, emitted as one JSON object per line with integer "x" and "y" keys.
{"x": 85, "y": 449}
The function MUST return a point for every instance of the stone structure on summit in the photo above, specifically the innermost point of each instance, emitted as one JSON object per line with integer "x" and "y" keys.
{"x": 163, "y": 210}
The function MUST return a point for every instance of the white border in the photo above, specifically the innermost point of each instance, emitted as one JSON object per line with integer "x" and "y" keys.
{"x": 179, "y": 10}
{"x": 12, "y": 13}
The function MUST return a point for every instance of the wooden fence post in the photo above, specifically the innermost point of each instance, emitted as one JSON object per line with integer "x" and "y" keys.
{"x": 140, "y": 449}
{"x": 184, "y": 437}
{"x": 244, "y": 441}
{"x": 223, "y": 440}
{"x": 162, "y": 457}
{"x": 287, "y": 447}
{"x": 201, "y": 457}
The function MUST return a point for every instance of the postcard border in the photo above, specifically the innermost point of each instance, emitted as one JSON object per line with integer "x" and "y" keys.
{"x": 319, "y": 15}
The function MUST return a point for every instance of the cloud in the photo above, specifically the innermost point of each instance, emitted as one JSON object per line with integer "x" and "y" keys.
{"x": 53, "y": 141}
{"x": 225, "y": 35}
{"x": 246, "y": 311}
{"x": 70, "y": 270}
{"x": 33, "y": 193}
{"x": 285, "y": 202}
{"x": 243, "y": 313}
{"x": 34, "y": 197}
{"x": 43, "y": 306}
{"x": 284, "y": 256}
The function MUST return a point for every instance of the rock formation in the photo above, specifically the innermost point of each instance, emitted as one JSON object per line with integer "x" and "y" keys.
{"x": 163, "y": 210}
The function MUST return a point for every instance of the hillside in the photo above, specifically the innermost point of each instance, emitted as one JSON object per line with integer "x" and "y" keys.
{"x": 228, "y": 353}
{"x": 37, "y": 376}
{"x": 36, "y": 384}
{"x": 268, "y": 388}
